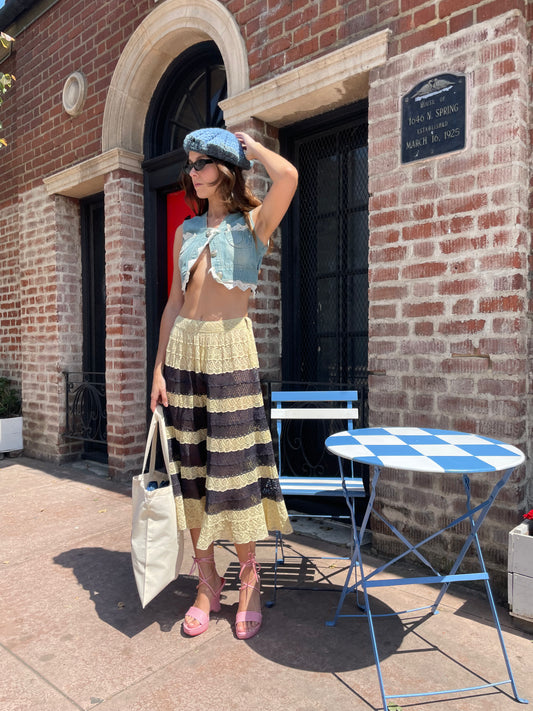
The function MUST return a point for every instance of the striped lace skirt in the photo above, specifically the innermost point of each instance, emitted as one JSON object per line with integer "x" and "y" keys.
{"x": 222, "y": 462}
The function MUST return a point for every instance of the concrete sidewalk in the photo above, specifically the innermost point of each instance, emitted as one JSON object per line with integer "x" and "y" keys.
{"x": 74, "y": 636}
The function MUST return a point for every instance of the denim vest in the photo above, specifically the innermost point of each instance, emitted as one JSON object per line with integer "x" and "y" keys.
{"x": 235, "y": 256}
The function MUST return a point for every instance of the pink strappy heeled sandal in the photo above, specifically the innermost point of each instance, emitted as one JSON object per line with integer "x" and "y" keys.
{"x": 214, "y": 604}
{"x": 249, "y": 615}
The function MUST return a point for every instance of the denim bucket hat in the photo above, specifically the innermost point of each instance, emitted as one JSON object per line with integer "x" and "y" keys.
{"x": 217, "y": 143}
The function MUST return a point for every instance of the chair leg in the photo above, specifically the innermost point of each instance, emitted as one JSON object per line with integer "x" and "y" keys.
{"x": 279, "y": 559}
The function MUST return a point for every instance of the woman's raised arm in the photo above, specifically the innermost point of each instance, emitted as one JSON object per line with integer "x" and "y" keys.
{"x": 284, "y": 177}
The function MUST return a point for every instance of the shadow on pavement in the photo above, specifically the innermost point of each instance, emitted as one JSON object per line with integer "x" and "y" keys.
{"x": 108, "y": 576}
{"x": 294, "y": 632}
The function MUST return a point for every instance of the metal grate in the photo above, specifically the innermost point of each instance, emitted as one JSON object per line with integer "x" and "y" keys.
{"x": 85, "y": 406}
{"x": 333, "y": 255}
{"x": 325, "y": 275}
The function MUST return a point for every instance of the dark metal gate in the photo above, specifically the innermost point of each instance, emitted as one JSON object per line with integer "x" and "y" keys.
{"x": 85, "y": 402}
{"x": 325, "y": 276}
{"x": 325, "y": 252}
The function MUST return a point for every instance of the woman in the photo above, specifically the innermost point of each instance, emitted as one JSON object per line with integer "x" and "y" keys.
{"x": 206, "y": 370}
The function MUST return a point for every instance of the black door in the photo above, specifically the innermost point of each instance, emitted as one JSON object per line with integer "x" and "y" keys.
{"x": 92, "y": 402}
{"x": 325, "y": 252}
{"x": 325, "y": 279}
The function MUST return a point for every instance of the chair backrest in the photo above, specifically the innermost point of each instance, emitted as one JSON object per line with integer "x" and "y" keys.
{"x": 338, "y": 405}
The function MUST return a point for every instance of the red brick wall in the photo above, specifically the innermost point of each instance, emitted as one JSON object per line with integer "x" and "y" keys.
{"x": 10, "y": 361}
{"x": 74, "y": 35}
{"x": 50, "y": 307}
{"x": 10, "y": 365}
{"x": 8, "y": 112}
{"x": 529, "y": 374}
{"x": 449, "y": 249}
{"x": 71, "y": 36}
{"x": 282, "y": 35}
{"x": 125, "y": 323}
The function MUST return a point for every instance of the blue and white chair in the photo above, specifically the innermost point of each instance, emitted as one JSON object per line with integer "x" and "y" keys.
{"x": 331, "y": 408}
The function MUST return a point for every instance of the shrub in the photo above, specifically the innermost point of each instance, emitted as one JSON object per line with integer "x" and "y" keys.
{"x": 10, "y": 402}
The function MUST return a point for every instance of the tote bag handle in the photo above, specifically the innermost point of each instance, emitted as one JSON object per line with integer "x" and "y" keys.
{"x": 157, "y": 423}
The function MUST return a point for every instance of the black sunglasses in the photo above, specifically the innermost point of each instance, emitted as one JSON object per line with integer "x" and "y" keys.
{"x": 198, "y": 165}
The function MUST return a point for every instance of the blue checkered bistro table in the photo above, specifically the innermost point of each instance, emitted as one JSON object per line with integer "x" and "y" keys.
{"x": 443, "y": 453}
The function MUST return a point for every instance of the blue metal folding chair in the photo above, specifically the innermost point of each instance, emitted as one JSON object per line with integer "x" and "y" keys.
{"x": 326, "y": 406}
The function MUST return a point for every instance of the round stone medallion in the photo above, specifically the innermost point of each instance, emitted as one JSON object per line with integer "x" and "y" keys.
{"x": 74, "y": 93}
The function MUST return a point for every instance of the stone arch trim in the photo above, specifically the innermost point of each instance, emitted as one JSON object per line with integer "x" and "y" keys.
{"x": 167, "y": 31}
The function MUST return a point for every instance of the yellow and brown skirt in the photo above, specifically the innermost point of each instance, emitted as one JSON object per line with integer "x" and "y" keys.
{"x": 222, "y": 461}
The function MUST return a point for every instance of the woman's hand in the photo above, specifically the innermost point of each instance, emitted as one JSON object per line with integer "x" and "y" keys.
{"x": 158, "y": 395}
{"x": 248, "y": 144}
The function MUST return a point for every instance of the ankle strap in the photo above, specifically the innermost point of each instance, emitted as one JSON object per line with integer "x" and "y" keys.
{"x": 254, "y": 565}
{"x": 196, "y": 563}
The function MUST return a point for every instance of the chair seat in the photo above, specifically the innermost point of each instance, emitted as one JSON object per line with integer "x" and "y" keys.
{"x": 317, "y": 486}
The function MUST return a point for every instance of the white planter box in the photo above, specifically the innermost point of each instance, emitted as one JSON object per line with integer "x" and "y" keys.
{"x": 520, "y": 571}
{"x": 11, "y": 434}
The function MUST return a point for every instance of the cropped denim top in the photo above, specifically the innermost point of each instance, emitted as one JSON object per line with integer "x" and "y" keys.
{"x": 235, "y": 255}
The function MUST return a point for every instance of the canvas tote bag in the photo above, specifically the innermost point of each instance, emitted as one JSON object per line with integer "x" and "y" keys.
{"x": 156, "y": 543}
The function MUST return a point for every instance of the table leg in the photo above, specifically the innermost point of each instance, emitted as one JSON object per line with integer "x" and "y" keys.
{"x": 365, "y": 582}
{"x": 474, "y": 527}
{"x": 357, "y": 538}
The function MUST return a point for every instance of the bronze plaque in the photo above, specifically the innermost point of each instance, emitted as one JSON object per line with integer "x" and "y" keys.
{"x": 433, "y": 117}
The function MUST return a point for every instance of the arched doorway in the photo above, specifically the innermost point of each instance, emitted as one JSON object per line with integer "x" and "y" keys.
{"x": 186, "y": 98}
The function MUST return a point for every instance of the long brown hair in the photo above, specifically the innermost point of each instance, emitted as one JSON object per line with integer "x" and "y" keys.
{"x": 236, "y": 195}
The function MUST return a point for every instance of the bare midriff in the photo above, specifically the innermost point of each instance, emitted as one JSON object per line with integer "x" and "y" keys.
{"x": 205, "y": 299}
